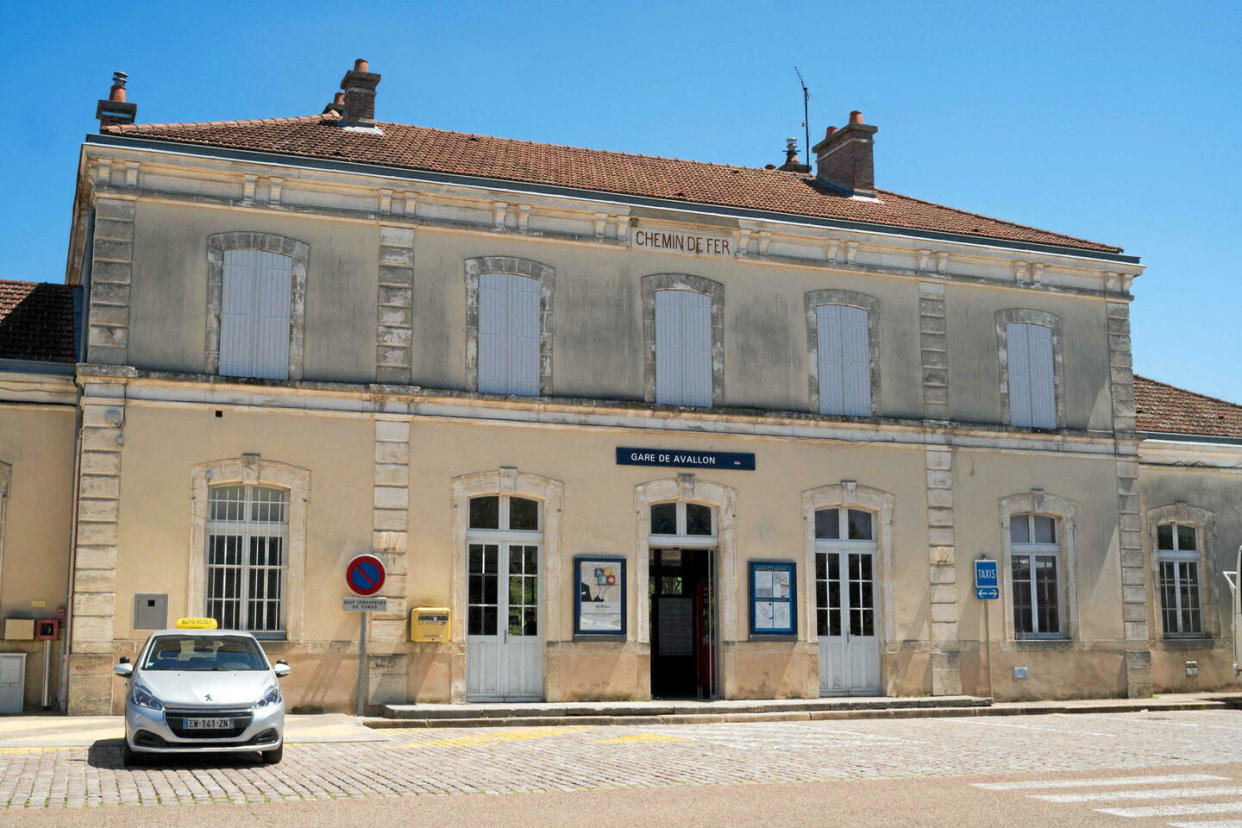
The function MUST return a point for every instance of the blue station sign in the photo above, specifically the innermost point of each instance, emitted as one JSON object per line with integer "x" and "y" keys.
{"x": 987, "y": 580}
{"x": 682, "y": 458}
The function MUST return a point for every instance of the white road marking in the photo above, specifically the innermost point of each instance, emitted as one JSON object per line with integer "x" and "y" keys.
{"x": 1148, "y": 793}
{"x": 1098, "y": 782}
{"x": 1075, "y": 732}
{"x": 1175, "y": 810}
{"x": 1107, "y": 717}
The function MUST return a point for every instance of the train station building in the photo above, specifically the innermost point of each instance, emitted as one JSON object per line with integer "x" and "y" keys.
{"x": 638, "y": 427}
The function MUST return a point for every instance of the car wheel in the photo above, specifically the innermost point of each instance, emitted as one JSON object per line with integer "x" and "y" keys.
{"x": 272, "y": 757}
{"x": 133, "y": 758}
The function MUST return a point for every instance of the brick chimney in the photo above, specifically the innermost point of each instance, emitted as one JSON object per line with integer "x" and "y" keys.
{"x": 792, "y": 164}
{"x": 844, "y": 159}
{"x": 116, "y": 110}
{"x": 359, "y": 84}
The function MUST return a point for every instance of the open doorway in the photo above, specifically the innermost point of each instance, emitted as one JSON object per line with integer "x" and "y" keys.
{"x": 682, "y": 587}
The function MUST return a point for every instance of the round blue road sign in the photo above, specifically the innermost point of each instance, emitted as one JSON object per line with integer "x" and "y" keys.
{"x": 365, "y": 575}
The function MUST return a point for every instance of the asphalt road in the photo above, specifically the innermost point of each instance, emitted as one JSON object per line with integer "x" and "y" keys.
{"x": 1137, "y": 769}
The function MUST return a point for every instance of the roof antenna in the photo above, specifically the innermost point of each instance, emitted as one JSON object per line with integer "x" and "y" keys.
{"x": 806, "y": 116}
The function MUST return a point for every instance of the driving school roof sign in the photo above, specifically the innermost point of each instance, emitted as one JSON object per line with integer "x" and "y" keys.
{"x": 683, "y": 458}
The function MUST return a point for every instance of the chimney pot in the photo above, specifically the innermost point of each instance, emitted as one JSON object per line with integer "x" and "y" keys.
{"x": 337, "y": 105}
{"x": 359, "y": 88}
{"x": 116, "y": 109}
{"x": 792, "y": 164}
{"x": 844, "y": 160}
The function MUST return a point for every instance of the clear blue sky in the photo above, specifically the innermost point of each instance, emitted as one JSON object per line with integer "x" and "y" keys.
{"x": 1116, "y": 121}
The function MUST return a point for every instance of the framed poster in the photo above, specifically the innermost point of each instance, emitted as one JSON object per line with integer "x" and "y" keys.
{"x": 599, "y": 595}
{"x": 773, "y": 598}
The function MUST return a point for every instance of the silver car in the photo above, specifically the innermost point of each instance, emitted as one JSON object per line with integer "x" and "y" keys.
{"x": 205, "y": 691}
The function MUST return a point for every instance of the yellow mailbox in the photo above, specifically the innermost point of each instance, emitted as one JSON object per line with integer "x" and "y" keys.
{"x": 429, "y": 624}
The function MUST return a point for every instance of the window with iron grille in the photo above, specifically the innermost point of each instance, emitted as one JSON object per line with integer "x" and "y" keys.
{"x": 247, "y": 558}
{"x": 1035, "y": 553}
{"x": 1177, "y": 560}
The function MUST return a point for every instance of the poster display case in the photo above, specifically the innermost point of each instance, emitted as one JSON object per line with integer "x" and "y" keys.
{"x": 599, "y": 596}
{"x": 773, "y": 598}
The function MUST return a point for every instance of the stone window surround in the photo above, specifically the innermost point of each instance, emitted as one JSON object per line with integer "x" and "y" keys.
{"x": 507, "y": 480}
{"x": 220, "y": 243}
{"x": 849, "y": 495}
{"x": 698, "y": 284}
{"x": 723, "y": 499}
{"x": 6, "y": 474}
{"x": 1030, "y": 316}
{"x": 250, "y": 470}
{"x": 1204, "y": 523}
{"x": 853, "y": 299}
{"x": 1039, "y": 502}
{"x": 476, "y": 267}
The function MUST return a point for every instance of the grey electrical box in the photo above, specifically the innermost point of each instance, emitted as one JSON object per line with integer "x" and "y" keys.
{"x": 150, "y": 611}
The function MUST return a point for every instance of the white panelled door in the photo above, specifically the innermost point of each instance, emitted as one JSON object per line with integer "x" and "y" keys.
{"x": 683, "y": 321}
{"x": 844, "y": 360}
{"x": 845, "y": 590}
{"x": 504, "y": 647}
{"x": 508, "y": 334}
{"x": 254, "y": 314}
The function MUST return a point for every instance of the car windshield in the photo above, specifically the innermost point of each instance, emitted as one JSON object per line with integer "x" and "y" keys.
{"x": 202, "y": 652}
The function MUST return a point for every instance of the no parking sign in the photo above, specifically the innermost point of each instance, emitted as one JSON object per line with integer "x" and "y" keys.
{"x": 365, "y": 575}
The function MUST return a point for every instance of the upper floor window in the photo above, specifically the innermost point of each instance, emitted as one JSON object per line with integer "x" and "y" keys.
{"x": 844, "y": 362}
{"x": 508, "y": 326}
{"x": 1030, "y": 362}
{"x": 256, "y": 287}
{"x": 1177, "y": 562}
{"x": 508, "y": 334}
{"x": 247, "y": 532}
{"x": 683, "y": 323}
{"x": 1034, "y": 555}
{"x": 254, "y": 314}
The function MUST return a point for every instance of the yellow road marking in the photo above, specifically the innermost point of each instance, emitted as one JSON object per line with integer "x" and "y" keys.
{"x": 515, "y": 735}
{"x": 642, "y": 737}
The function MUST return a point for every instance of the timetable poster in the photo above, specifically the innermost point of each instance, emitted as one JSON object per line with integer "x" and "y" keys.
{"x": 772, "y": 598}
{"x": 601, "y": 598}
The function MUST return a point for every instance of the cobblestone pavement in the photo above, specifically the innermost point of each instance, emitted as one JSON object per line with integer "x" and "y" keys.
{"x": 516, "y": 759}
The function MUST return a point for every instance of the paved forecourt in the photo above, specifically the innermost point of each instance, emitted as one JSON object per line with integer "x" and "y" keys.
{"x": 445, "y": 762}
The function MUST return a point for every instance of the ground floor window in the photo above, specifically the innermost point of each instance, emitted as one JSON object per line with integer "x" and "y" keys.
{"x": 1177, "y": 559}
{"x": 247, "y": 533}
{"x": 1035, "y": 560}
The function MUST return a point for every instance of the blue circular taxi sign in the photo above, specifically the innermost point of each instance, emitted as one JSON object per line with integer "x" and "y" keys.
{"x": 365, "y": 575}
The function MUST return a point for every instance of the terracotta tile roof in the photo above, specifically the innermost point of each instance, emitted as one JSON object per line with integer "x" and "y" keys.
{"x": 436, "y": 150}
{"x": 1172, "y": 410}
{"x": 37, "y": 322}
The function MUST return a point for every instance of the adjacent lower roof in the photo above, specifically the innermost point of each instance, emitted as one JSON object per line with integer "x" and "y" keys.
{"x": 1168, "y": 409}
{"x": 37, "y": 322}
{"x": 751, "y": 188}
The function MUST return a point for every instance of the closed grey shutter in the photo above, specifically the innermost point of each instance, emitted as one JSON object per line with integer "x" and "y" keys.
{"x": 844, "y": 358}
{"x": 254, "y": 314}
{"x": 272, "y": 288}
{"x": 683, "y": 348}
{"x": 508, "y": 334}
{"x": 524, "y": 332}
{"x": 1019, "y": 356}
{"x": 1043, "y": 384}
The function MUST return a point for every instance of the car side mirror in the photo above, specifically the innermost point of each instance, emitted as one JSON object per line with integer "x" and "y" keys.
{"x": 281, "y": 668}
{"x": 124, "y": 669}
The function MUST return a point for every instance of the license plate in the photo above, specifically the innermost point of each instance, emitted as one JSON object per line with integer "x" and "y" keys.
{"x": 208, "y": 724}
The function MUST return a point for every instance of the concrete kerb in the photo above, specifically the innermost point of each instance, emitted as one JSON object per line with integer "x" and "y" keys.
{"x": 636, "y": 715}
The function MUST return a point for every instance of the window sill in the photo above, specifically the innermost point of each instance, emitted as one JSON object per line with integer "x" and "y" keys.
{"x": 1187, "y": 642}
{"x": 1060, "y": 642}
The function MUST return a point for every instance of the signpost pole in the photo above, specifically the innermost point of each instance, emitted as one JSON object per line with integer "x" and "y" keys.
{"x": 362, "y": 663}
{"x": 987, "y": 638}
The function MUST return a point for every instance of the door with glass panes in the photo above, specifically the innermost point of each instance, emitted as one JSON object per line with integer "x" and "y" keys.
{"x": 504, "y": 643}
{"x": 845, "y": 592}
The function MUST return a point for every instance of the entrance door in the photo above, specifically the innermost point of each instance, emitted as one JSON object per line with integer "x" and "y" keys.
{"x": 849, "y": 650}
{"x": 504, "y": 648}
{"x": 683, "y": 624}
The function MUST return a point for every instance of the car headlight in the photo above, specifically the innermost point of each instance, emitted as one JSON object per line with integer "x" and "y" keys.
{"x": 143, "y": 698}
{"x": 272, "y": 696}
